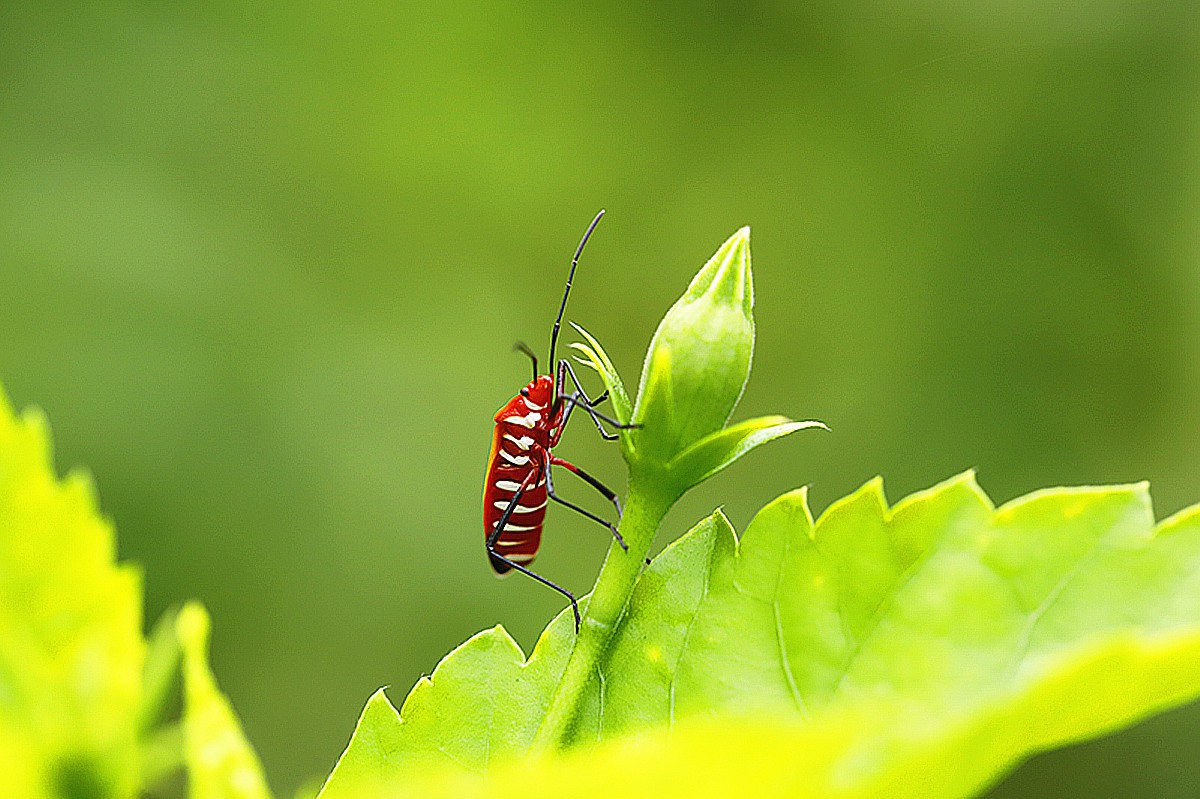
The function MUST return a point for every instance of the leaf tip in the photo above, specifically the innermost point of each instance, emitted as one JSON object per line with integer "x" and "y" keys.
{"x": 722, "y": 528}
{"x": 380, "y": 708}
{"x": 791, "y": 506}
{"x": 1178, "y": 520}
{"x": 964, "y": 483}
{"x": 193, "y": 624}
{"x": 493, "y": 638}
{"x": 869, "y": 499}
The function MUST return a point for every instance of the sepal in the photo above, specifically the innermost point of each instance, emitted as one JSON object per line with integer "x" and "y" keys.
{"x": 718, "y": 450}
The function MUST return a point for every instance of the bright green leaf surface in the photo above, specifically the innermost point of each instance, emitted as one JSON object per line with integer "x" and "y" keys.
{"x": 482, "y": 705}
{"x": 70, "y": 630}
{"x": 220, "y": 763}
{"x": 920, "y": 650}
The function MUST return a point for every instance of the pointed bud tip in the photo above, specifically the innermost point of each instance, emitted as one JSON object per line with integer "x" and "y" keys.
{"x": 739, "y": 242}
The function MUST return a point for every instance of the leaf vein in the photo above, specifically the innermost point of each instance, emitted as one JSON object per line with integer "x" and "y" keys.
{"x": 1021, "y": 650}
{"x": 877, "y": 616}
{"x": 784, "y": 661}
{"x": 464, "y": 764}
{"x": 600, "y": 712}
{"x": 687, "y": 633}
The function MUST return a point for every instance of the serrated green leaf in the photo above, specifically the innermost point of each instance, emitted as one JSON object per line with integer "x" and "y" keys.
{"x": 919, "y": 650}
{"x": 71, "y": 648}
{"x": 719, "y": 450}
{"x": 220, "y": 763}
{"x": 482, "y": 705}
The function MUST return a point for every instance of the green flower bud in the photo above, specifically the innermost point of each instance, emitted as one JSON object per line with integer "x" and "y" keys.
{"x": 699, "y": 358}
{"x": 695, "y": 370}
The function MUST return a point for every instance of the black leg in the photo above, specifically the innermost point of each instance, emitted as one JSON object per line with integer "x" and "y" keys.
{"x": 570, "y": 597}
{"x": 495, "y": 536}
{"x": 580, "y": 397}
{"x": 564, "y": 366}
{"x": 551, "y": 493}
{"x": 604, "y": 490}
{"x": 590, "y": 403}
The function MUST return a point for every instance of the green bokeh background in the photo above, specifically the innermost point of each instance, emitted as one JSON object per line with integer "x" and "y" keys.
{"x": 263, "y": 266}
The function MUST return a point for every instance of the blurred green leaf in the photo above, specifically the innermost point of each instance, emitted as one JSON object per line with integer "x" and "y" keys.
{"x": 83, "y": 708}
{"x": 161, "y": 673}
{"x": 919, "y": 650}
{"x": 220, "y": 763}
{"x": 71, "y": 647}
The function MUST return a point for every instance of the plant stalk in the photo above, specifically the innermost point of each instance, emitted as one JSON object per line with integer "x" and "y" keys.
{"x": 644, "y": 511}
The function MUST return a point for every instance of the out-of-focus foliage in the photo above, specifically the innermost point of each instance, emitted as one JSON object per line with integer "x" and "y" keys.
{"x": 220, "y": 763}
{"x": 263, "y": 265}
{"x": 71, "y": 644}
{"x": 77, "y": 719}
{"x": 931, "y": 646}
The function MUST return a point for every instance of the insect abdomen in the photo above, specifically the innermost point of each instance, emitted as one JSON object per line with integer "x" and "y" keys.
{"x": 517, "y": 458}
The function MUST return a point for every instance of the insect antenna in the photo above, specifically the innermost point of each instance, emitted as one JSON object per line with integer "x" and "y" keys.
{"x": 570, "y": 277}
{"x": 521, "y": 346}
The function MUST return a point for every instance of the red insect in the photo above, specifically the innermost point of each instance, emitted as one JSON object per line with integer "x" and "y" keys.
{"x": 519, "y": 483}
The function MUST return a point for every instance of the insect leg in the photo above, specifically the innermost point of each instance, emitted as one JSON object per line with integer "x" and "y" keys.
{"x": 508, "y": 511}
{"x": 569, "y": 595}
{"x": 580, "y": 397}
{"x": 576, "y": 398}
{"x": 564, "y": 366}
{"x": 495, "y": 536}
{"x": 554, "y": 496}
{"x": 607, "y": 492}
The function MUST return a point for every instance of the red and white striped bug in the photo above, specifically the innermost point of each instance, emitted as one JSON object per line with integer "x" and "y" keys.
{"x": 519, "y": 483}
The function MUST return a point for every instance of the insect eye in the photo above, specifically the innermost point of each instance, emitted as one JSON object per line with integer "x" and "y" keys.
{"x": 525, "y": 392}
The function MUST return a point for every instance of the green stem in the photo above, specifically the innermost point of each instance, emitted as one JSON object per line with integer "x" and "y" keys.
{"x": 644, "y": 511}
